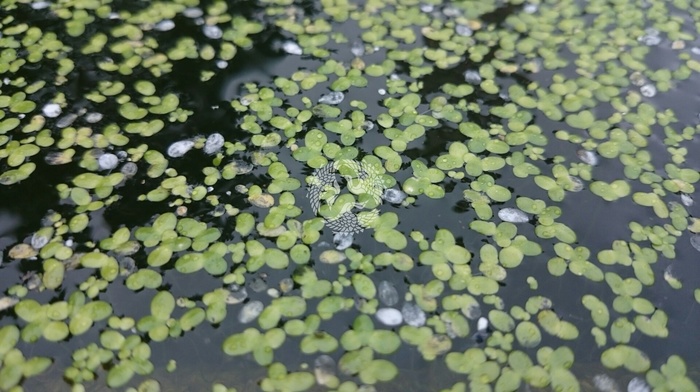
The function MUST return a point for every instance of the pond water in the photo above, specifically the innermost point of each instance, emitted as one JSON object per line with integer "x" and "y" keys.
{"x": 393, "y": 195}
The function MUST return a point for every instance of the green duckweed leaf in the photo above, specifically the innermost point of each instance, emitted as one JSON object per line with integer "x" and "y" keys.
{"x": 527, "y": 334}
{"x": 241, "y": 343}
{"x": 119, "y": 375}
{"x": 162, "y": 305}
{"x": 378, "y": 370}
{"x": 364, "y": 286}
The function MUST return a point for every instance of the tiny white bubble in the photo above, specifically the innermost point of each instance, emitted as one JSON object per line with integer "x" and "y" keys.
{"x": 291, "y": 47}
{"x": 164, "y": 25}
{"x": 180, "y": 148}
{"x": 482, "y": 324}
{"x": 51, "y": 110}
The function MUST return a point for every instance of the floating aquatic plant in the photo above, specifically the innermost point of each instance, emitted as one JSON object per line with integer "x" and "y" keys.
{"x": 477, "y": 113}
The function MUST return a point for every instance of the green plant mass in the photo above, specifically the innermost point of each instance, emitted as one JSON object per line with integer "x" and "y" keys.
{"x": 342, "y": 195}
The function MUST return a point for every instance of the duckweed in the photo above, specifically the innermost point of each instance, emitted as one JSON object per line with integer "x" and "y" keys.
{"x": 260, "y": 202}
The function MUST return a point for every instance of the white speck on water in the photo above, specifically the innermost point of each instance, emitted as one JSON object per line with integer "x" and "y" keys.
{"x": 342, "y": 240}
{"x": 51, "y": 110}
{"x": 637, "y": 78}
{"x": 482, "y": 325}
{"x": 394, "y": 77}
{"x": 413, "y": 315}
{"x": 291, "y": 47}
{"x": 577, "y": 184}
{"x": 472, "y": 77}
{"x": 387, "y": 293}
{"x": 368, "y": 125}
{"x": 68, "y": 242}
{"x": 213, "y": 32}
{"x": 250, "y": 311}
{"x": 40, "y": 5}
{"x": 678, "y": 44}
{"x": 605, "y": 383}
{"x": 93, "y": 117}
{"x": 273, "y": 292}
{"x": 638, "y": 385}
{"x": 7, "y": 302}
{"x": 66, "y": 120}
{"x": 113, "y": 16}
{"x": 164, "y": 25}
{"x": 381, "y": 91}
{"x": 324, "y": 369}
{"x": 648, "y": 90}
{"x": 214, "y": 143}
{"x": 193, "y": 12}
{"x": 236, "y": 295}
{"x": 687, "y": 200}
{"x": 513, "y": 215}
{"x": 221, "y": 64}
{"x": 39, "y": 241}
{"x": 32, "y": 280}
{"x": 695, "y": 50}
{"x": 107, "y": 161}
{"x": 333, "y": 98}
{"x": 180, "y": 148}
{"x": 357, "y": 48}
{"x": 199, "y": 21}
{"x": 451, "y": 11}
{"x": 530, "y": 8}
{"x": 463, "y": 30}
{"x": 427, "y": 8}
{"x": 129, "y": 169}
{"x": 389, "y": 316}
{"x": 587, "y": 156}
{"x": 394, "y": 196}
{"x": 649, "y": 40}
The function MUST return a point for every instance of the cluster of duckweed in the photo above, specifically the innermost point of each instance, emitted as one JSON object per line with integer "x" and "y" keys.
{"x": 484, "y": 120}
